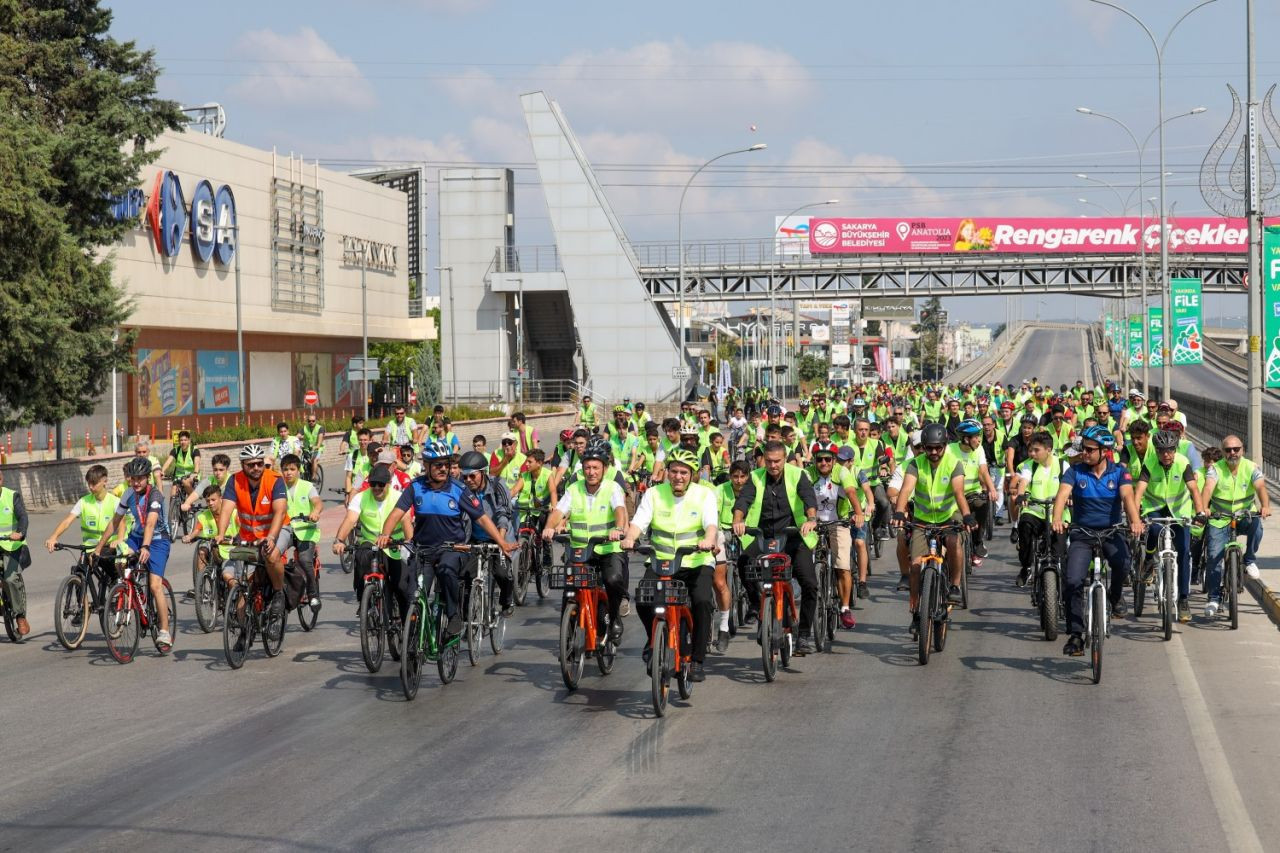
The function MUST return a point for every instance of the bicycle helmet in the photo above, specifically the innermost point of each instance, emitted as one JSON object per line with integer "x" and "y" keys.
{"x": 253, "y": 451}
{"x": 934, "y": 434}
{"x": 914, "y": 438}
{"x": 858, "y": 402}
{"x": 436, "y": 449}
{"x": 804, "y": 404}
{"x": 597, "y": 449}
{"x": 139, "y": 466}
{"x": 687, "y": 458}
{"x": 620, "y": 409}
{"x": 473, "y": 461}
{"x": 1167, "y": 439}
{"x": 688, "y": 429}
{"x": 968, "y": 427}
{"x": 1101, "y": 435}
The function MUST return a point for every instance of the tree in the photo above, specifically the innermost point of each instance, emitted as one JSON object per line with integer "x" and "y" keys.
{"x": 426, "y": 376}
{"x": 396, "y": 358}
{"x": 924, "y": 351}
{"x": 811, "y": 368}
{"x": 72, "y": 99}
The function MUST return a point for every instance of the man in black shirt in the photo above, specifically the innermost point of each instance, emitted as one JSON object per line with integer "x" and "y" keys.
{"x": 1017, "y": 450}
{"x": 778, "y": 496}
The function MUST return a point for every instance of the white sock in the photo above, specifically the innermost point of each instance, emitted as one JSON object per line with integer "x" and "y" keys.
{"x": 724, "y": 620}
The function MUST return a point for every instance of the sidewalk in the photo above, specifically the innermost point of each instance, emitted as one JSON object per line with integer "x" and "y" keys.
{"x": 1267, "y": 589}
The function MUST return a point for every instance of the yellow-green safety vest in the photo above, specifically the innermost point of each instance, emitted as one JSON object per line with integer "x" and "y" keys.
{"x": 95, "y": 515}
{"x": 1166, "y": 488}
{"x": 8, "y": 523}
{"x": 670, "y": 530}
{"x": 299, "y": 504}
{"x": 373, "y": 515}
{"x": 1234, "y": 491}
{"x": 933, "y": 499}
{"x": 791, "y": 477}
{"x": 591, "y": 520}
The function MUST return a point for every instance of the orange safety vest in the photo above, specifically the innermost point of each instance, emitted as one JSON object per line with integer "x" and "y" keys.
{"x": 255, "y": 521}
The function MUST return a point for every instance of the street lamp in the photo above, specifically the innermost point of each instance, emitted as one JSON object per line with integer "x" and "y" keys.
{"x": 1124, "y": 208}
{"x": 1140, "y": 148}
{"x": 1166, "y": 374}
{"x": 773, "y": 301}
{"x": 1095, "y": 204}
{"x": 759, "y": 146}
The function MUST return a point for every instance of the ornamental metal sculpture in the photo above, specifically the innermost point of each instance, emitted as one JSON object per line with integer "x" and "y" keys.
{"x": 1230, "y": 199}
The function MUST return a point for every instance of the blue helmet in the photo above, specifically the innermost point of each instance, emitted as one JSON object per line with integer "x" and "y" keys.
{"x": 436, "y": 449}
{"x": 968, "y": 427}
{"x": 1101, "y": 435}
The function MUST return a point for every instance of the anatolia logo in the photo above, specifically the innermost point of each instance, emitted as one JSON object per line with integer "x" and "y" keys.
{"x": 825, "y": 234}
{"x": 903, "y": 229}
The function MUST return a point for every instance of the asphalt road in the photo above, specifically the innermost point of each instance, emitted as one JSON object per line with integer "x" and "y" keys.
{"x": 1054, "y": 356}
{"x": 1000, "y": 743}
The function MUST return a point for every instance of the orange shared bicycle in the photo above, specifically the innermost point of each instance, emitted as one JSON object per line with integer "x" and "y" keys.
{"x": 672, "y": 633}
{"x": 585, "y": 629}
{"x": 778, "y": 613}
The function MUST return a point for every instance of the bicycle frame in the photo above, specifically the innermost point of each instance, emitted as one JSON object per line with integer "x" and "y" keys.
{"x": 585, "y": 586}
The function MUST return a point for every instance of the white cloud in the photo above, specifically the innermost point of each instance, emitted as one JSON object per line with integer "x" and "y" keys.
{"x": 300, "y": 69}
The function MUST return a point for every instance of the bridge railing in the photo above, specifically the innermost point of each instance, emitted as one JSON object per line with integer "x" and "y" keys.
{"x": 526, "y": 259}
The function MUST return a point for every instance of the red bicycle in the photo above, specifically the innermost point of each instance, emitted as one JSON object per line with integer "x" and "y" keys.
{"x": 131, "y": 610}
{"x": 672, "y": 632}
{"x": 585, "y": 629}
{"x": 778, "y": 613}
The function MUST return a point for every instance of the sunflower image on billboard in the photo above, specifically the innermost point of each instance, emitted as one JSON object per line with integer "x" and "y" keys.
{"x": 972, "y": 237}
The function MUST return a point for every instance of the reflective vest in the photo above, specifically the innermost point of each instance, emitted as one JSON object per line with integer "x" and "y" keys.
{"x": 727, "y": 497}
{"x": 183, "y": 464}
{"x": 592, "y": 519}
{"x": 1136, "y": 465}
{"x": 8, "y": 524}
{"x": 1166, "y": 488}
{"x": 670, "y": 529}
{"x": 1234, "y": 492}
{"x": 969, "y": 459}
{"x": 509, "y": 469}
{"x": 311, "y": 437}
{"x": 867, "y": 458}
{"x": 536, "y": 491}
{"x": 587, "y": 415}
{"x": 94, "y": 516}
{"x": 1061, "y": 437}
{"x": 208, "y": 526}
{"x": 719, "y": 462}
{"x": 933, "y": 500}
{"x": 255, "y": 519}
{"x": 791, "y": 477}
{"x": 1043, "y": 486}
{"x": 898, "y": 444}
{"x": 373, "y": 515}
{"x": 300, "y": 504}
{"x": 932, "y": 409}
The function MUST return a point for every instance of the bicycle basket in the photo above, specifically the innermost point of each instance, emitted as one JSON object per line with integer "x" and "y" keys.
{"x": 245, "y": 554}
{"x": 582, "y": 577}
{"x": 770, "y": 567}
{"x": 662, "y": 593}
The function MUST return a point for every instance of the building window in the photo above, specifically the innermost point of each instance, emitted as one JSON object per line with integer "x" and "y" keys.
{"x": 297, "y": 247}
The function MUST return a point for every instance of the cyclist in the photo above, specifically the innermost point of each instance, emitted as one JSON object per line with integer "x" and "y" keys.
{"x": 142, "y": 450}
{"x": 726, "y": 494}
{"x": 149, "y": 537}
{"x": 184, "y": 460}
{"x": 220, "y": 465}
{"x": 595, "y": 506}
{"x": 841, "y": 493}
{"x": 507, "y": 464}
{"x": 1038, "y": 478}
{"x": 936, "y": 481}
{"x": 303, "y": 500}
{"x": 1100, "y": 490}
{"x": 13, "y": 530}
{"x": 94, "y": 510}
{"x": 440, "y": 505}
{"x": 401, "y": 429}
{"x": 352, "y": 435}
{"x": 497, "y": 504}
{"x": 207, "y": 525}
{"x": 980, "y": 491}
{"x": 312, "y": 443}
{"x": 866, "y": 456}
{"x": 1169, "y": 488}
{"x": 407, "y": 466}
{"x": 587, "y": 413}
{"x": 1232, "y": 485}
{"x": 531, "y": 493}
{"x": 281, "y": 445}
{"x": 370, "y": 510}
{"x": 258, "y": 499}
{"x": 677, "y": 513}
{"x": 776, "y": 497}
{"x": 527, "y": 436}
{"x": 358, "y": 462}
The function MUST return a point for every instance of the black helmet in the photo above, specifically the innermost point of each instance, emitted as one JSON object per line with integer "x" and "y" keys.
{"x": 1167, "y": 439}
{"x": 933, "y": 434}
{"x": 472, "y": 461}
{"x": 598, "y": 449}
{"x": 139, "y": 466}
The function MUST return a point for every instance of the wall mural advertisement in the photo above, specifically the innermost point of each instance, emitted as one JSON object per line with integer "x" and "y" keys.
{"x": 344, "y": 392}
{"x": 218, "y": 381}
{"x": 165, "y": 382}
{"x": 313, "y": 371}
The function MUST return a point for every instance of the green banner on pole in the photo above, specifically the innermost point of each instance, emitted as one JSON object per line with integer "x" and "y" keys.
{"x": 1185, "y": 299}
{"x": 1271, "y": 304}
{"x": 1107, "y": 331}
{"x": 1155, "y": 334}
{"x": 1135, "y": 340}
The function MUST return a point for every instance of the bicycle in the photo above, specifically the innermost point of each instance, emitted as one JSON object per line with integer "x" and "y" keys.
{"x": 1232, "y": 562}
{"x": 211, "y": 587}
{"x": 1046, "y": 575}
{"x": 10, "y": 619}
{"x": 180, "y": 520}
{"x": 933, "y": 612}
{"x": 672, "y": 629}
{"x": 380, "y": 625}
{"x": 250, "y": 610}
{"x": 778, "y": 612}
{"x": 827, "y": 614}
{"x": 424, "y": 636}
{"x": 585, "y": 628}
{"x": 738, "y": 603}
{"x": 315, "y": 471}
{"x": 81, "y": 594}
{"x": 308, "y": 613}
{"x": 482, "y": 614}
{"x": 529, "y": 561}
{"x": 1097, "y": 625}
{"x": 1165, "y": 577}
{"x": 131, "y": 609}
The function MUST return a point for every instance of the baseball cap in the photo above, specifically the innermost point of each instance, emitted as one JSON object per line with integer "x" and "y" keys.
{"x": 845, "y": 453}
{"x": 508, "y": 436}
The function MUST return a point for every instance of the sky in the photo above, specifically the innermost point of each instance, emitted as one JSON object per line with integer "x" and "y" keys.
{"x": 902, "y": 109}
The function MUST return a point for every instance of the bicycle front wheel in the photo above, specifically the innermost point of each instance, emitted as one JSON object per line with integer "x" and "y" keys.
{"x": 924, "y": 616}
{"x": 571, "y": 646}
{"x": 524, "y": 559}
{"x": 768, "y": 629}
{"x": 1231, "y": 588}
{"x": 475, "y": 622}
{"x": 820, "y": 614}
{"x": 1169, "y": 609}
{"x": 172, "y": 604}
{"x": 1097, "y": 631}
{"x": 273, "y": 623}
{"x": 175, "y": 517}
{"x": 1049, "y": 603}
{"x": 317, "y": 478}
{"x": 659, "y": 680}
{"x": 941, "y": 613}
{"x": 497, "y": 626}
{"x": 411, "y": 650}
{"x": 70, "y": 612}
{"x": 124, "y": 621}
{"x": 373, "y": 626}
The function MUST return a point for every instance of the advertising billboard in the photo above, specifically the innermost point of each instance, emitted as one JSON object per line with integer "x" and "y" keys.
{"x": 1184, "y": 298}
{"x": 217, "y": 381}
{"x": 313, "y": 371}
{"x": 1021, "y": 235}
{"x": 166, "y": 382}
{"x": 791, "y": 236}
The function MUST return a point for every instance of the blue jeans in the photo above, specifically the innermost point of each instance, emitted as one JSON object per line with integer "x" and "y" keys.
{"x": 1217, "y": 545}
{"x": 1181, "y": 544}
{"x": 1079, "y": 558}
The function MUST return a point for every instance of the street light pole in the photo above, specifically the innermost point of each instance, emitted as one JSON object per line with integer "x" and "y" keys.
{"x": 1253, "y": 294}
{"x": 244, "y": 401}
{"x": 453, "y": 337}
{"x": 1166, "y": 374}
{"x": 759, "y": 146}
{"x": 364, "y": 333}
{"x": 773, "y": 301}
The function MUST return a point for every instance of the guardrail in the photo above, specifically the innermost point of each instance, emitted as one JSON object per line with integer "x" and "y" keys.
{"x": 1216, "y": 419}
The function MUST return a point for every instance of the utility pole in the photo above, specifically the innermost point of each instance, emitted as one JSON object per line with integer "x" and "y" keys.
{"x": 1254, "y": 292}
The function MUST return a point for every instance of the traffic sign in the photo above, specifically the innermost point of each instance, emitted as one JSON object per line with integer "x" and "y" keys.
{"x": 682, "y": 372}
{"x": 413, "y": 396}
{"x": 359, "y": 368}
{"x": 311, "y": 398}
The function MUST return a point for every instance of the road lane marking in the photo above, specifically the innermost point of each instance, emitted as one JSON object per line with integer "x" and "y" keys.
{"x": 1241, "y": 835}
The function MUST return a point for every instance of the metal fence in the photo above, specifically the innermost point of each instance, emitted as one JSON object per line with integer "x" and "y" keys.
{"x": 536, "y": 391}
{"x": 1216, "y": 419}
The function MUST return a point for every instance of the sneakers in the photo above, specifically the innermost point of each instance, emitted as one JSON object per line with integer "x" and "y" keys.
{"x": 1117, "y": 610}
{"x": 863, "y": 592}
{"x": 846, "y": 619}
{"x": 955, "y": 595}
{"x": 904, "y": 583}
{"x": 804, "y": 645}
{"x": 454, "y": 628}
{"x": 1074, "y": 647}
{"x": 624, "y": 608}
{"x": 314, "y": 602}
{"x": 1184, "y": 610}
{"x": 1023, "y": 577}
{"x": 508, "y": 610}
{"x": 615, "y": 632}
{"x": 164, "y": 642}
{"x": 722, "y": 643}
{"x": 1211, "y": 609}
{"x": 1013, "y": 535}
{"x": 1251, "y": 569}
{"x": 696, "y": 673}
{"x": 979, "y": 549}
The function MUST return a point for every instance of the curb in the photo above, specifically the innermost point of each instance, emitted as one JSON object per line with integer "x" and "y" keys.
{"x": 1265, "y": 596}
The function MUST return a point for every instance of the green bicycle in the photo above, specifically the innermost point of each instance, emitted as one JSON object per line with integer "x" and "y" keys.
{"x": 423, "y": 637}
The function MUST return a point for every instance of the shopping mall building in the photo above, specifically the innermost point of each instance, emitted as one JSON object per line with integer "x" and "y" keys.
{"x": 300, "y": 239}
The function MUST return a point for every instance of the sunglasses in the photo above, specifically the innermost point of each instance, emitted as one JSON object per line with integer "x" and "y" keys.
{"x": 507, "y": 441}
{"x": 1094, "y": 449}
{"x": 378, "y": 485}
{"x": 1233, "y": 449}
{"x": 258, "y": 464}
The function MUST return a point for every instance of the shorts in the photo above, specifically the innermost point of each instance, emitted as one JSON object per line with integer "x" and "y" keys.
{"x": 158, "y": 554}
{"x": 840, "y": 541}
{"x": 920, "y": 545}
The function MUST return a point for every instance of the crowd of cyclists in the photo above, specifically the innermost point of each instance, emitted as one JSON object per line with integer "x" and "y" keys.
{"x": 863, "y": 467}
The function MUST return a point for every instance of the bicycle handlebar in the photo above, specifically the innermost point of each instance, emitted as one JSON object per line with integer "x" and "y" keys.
{"x": 58, "y": 546}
